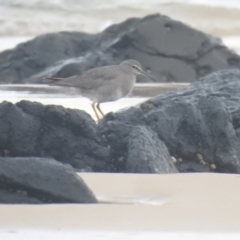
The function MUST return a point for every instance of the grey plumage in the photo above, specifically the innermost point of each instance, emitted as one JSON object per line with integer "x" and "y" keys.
{"x": 104, "y": 84}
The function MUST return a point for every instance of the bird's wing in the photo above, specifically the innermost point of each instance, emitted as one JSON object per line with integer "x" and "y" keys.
{"x": 98, "y": 77}
{"x": 91, "y": 79}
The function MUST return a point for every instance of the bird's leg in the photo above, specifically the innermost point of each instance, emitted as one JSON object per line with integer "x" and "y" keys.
{"x": 95, "y": 111}
{"x": 99, "y": 109}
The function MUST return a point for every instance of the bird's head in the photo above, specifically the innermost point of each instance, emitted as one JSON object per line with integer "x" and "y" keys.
{"x": 134, "y": 67}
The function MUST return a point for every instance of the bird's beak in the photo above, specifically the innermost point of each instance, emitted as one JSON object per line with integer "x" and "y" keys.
{"x": 148, "y": 75}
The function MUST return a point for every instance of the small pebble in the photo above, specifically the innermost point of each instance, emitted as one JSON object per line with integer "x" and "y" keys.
{"x": 6, "y": 152}
{"x": 213, "y": 166}
{"x": 200, "y": 157}
{"x": 174, "y": 159}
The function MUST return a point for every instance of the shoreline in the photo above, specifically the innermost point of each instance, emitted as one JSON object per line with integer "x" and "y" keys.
{"x": 215, "y": 20}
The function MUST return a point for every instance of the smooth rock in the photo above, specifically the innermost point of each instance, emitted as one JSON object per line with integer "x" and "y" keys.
{"x": 41, "y": 180}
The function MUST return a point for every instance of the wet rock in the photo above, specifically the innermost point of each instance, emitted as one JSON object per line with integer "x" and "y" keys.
{"x": 170, "y": 50}
{"x": 41, "y": 180}
{"x": 67, "y": 135}
{"x": 198, "y": 124}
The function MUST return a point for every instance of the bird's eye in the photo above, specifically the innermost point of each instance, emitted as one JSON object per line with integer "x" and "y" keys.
{"x": 134, "y": 67}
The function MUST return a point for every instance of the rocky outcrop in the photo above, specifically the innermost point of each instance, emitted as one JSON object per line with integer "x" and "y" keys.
{"x": 199, "y": 124}
{"x": 170, "y": 50}
{"x": 136, "y": 149}
{"x": 39, "y": 180}
{"x": 69, "y": 136}
{"x": 147, "y": 153}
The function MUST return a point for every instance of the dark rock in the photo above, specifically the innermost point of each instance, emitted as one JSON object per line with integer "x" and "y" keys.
{"x": 170, "y": 50}
{"x": 69, "y": 136}
{"x": 198, "y": 124}
{"x": 187, "y": 166}
{"x": 147, "y": 153}
{"x": 32, "y": 57}
{"x": 39, "y": 180}
{"x": 17, "y": 196}
{"x": 136, "y": 149}
{"x": 203, "y": 129}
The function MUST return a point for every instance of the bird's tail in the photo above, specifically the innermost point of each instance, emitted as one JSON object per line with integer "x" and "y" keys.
{"x": 56, "y": 81}
{"x": 51, "y": 80}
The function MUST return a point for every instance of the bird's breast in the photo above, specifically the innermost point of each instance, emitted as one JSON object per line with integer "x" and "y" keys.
{"x": 128, "y": 84}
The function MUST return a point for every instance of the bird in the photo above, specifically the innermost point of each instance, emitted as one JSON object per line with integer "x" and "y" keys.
{"x": 103, "y": 84}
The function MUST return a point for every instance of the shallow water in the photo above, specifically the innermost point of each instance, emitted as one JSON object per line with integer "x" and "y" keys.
{"x": 67, "y": 100}
{"x": 70, "y": 99}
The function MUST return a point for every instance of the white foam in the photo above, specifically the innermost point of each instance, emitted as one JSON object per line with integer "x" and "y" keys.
{"x": 67, "y": 100}
{"x": 95, "y": 235}
{"x": 214, "y": 3}
{"x": 12, "y": 42}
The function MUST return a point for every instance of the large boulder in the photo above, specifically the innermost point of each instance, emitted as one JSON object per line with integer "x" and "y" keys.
{"x": 170, "y": 50}
{"x": 39, "y": 180}
{"x": 199, "y": 124}
{"x": 71, "y": 136}
{"x": 67, "y": 135}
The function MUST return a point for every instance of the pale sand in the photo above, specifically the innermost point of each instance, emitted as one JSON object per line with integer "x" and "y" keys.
{"x": 175, "y": 203}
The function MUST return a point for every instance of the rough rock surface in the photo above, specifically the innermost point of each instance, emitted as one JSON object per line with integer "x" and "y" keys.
{"x": 137, "y": 149}
{"x": 170, "y": 50}
{"x": 31, "y": 129}
{"x": 39, "y": 180}
{"x": 147, "y": 153}
{"x": 199, "y": 124}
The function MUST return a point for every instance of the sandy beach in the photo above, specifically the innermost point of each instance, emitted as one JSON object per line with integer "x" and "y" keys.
{"x": 201, "y": 203}
{"x": 190, "y": 206}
